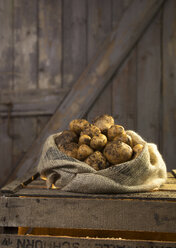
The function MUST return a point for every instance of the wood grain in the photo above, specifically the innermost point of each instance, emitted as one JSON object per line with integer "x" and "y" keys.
{"x": 96, "y": 76}
{"x": 169, "y": 83}
{"x": 5, "y": 151}
{"x": 61, "y": 241}
{"x": 31, "y": 102}
{"x": 149, "y": 82}
{"x": 6, "y": 47}
{"x": 88, "y": 213}
{"x": 25, "y": 32}
{"x": 23, "y": 134}
{"x": 25, "y": 44}
{"x": 50, "y": 44}
{"x": 124, "y": 93}
{"x": 6, "y": 82}
{"x": 14, "y": 186}
{"x": 99, "y": 24}
{"x": 74, "y": 40}
{"x": 124, "y": 80}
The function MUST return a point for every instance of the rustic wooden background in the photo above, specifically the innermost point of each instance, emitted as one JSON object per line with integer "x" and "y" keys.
{"x": 44, "y": 47}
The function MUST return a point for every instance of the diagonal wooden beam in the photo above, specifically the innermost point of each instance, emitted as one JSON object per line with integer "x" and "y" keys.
{"x": 96, "y": 75}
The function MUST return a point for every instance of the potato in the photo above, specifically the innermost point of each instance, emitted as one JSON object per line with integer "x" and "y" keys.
{"x": 91, "y": 131}
{"x": 84, "y": 151}
{"x": 103, "y": 122}
{"x": 84, "y": 139}
{"x": 66, "y": 137}
{"x": 98, "y": 141}
{"x": 115, "y": 131}
{"x": 78, "y": 125}
{"x": 70, "y": 149}
{"x": 129, "y": 141}
{"x": 137, "y": 150}
{"x": 96, "y": 160}
{"x": 117, "y": 152}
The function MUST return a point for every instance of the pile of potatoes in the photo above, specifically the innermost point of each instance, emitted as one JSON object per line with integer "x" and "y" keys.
{"x": 100, "y": 145}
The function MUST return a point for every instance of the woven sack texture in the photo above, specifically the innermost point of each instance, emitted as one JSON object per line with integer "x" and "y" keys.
{"x": 143, "y": 173}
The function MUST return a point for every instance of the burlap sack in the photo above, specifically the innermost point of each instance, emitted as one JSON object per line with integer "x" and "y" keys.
{"x": 144, "y": 173}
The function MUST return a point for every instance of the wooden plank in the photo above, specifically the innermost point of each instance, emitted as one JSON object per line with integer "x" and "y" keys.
{"x": 149, "y": 82}
{"x": 41, "y": 123}
{"x": 25, "y": 68}
{"x": 74, "y": 242}
{"x": 168, "y": 187}
{"x": 118, "y": 9}
{"x": 41, "y": 191}
{"x": 124, "y": 95}
{"x": 102, "y": 105}
{"x": 6, "y": 48}
{"x": 6, "y": 82}
{"x": 171, "y": 180}
{"x": 23, "y": 134}
{"x": 50, "y": 43}
{"x": 20, "y": 182}
{"x": 99, "y": 24}
{"x": 5, "y": 151}
{"x": 174, "y": 172}
{"x": 74, "y": 40}
{"x": 96, "y": 75}
{"x": 25, "y": 44}
{"x": 169, "y": 83}
{"x": 170, "y": 175}
{"x": 88, "y": 213}
{"x": 31, "y": 102}
{"x": 124, "y": 81}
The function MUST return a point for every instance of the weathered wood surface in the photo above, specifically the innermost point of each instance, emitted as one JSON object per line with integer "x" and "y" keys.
{"x": 107, "y": 214}
{"x": 31, "y": 102}
{"x": 97, "y": 74}
{"x": 40, "y": 241}
{"x": 72, "y": 32}
{"x": 169, "y": 82}
{"x": 6, "y": 82}
{"x": 6, "y": 51}
{"x": 41, "y": 191}
{"x": 149, "y": 82}
{"x": 74, "y": 36}
{"x": 25, "y": 45}
{"x": 99, "y": 25}
{"x": 124, "y": 95}
{"x": 124, "y": 82}
{"x": 50, "y": 44}
{"x": 20, "y": 182}
{"x": 5, "y": 151}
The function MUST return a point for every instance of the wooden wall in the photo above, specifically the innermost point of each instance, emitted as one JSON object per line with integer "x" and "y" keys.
{"x": 44, "y": 47}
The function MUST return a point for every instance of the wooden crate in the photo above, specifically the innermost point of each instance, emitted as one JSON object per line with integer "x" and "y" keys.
{"x": 33, "y": 216}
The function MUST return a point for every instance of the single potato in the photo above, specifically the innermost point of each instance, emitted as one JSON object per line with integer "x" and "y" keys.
{"x": 91, "y": 131}
{"x": 96, "y": 160}
{"x": 84, "y": 139}
{"x": 84, "y": 151}
{"x": 117, "y": 152}
{"x": 98, "y": 142}
{"x": 129, "y": 141}
{"x": 115, "y": 131}
{"x": 66, "y": 137}
{"x": 103, "y": 122}
{"x": 78, "y": 125}
{"x": 70, "y": 149}
{"x": 137, "y": 149}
